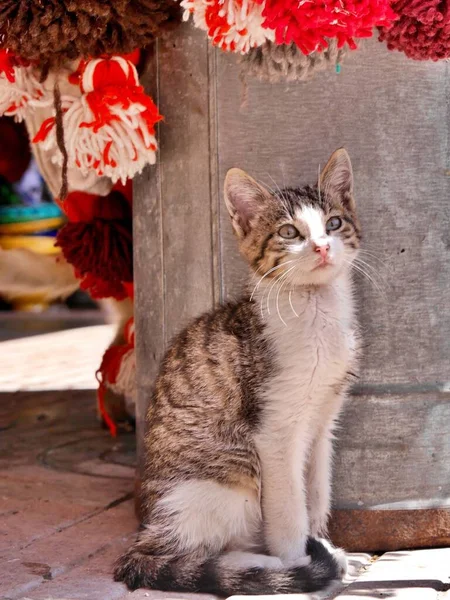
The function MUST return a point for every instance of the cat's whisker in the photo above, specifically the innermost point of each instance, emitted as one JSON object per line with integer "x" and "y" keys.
{"x": 266, "y": 185}
{"x": 372, "y": 254}
{"x": 280, "y": 287}
{"x": 268, "y": 273}
{"x": 291, "y": 305}
{"x": 364, "y": 272}
{"x": 269, "y": 288}
{"x": 296, "y": 260}
{"x": 367, "y": 276}
{"x": 372, "y": 269}
{"x": 276, "y": 280}
{"x": 374, "y": 250}
{"x": 379, "y": 261}
{"x": 281, "y": 194}
{"x": 318, "y": 185}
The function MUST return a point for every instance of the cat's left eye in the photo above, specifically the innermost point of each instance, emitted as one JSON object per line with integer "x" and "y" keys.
{"x": 334, "y": 223}
{"x": 289, "y": 232}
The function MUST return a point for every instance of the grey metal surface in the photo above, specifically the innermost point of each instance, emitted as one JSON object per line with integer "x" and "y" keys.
{"x": 392, "y": 114}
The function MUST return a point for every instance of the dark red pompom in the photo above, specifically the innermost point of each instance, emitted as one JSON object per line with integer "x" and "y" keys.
{"x": 99, "y": 288}
{"x": 101, "y": 247}
{"x": 423, "y": 30}
{"x": 98, "y": 240}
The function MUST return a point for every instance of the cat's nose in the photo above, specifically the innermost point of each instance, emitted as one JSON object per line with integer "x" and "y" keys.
{"x": 321, "y": 248}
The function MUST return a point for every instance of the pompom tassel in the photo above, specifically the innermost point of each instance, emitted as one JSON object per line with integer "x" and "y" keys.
{"x": 101, "y": 247}
{"x": 308, "y": 24}
{"x": 20, "y": 90}
{"x": 108, "y": 420}
{"x": 117, "y": 372}
{"x": 274, "y": 63}
{"x": 97, "y": 241}
{"x": 99, "y": 288}
{"x": 422, "y": 31}
{"x": 56, "y": 32}
{"x": 232, "y": 25}
{"x": 109, "y": 129}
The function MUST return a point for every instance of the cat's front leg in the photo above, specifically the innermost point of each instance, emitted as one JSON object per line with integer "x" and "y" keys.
{"x": 319, "y": 483}
{"x": 320, "y": 470}
{"x": 285, "y": 515}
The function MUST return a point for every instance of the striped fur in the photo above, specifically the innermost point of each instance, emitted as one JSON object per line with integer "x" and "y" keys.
{"x": 237, "y": 484}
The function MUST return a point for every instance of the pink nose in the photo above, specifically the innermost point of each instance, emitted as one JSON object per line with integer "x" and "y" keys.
{"x": 321, "y": 249}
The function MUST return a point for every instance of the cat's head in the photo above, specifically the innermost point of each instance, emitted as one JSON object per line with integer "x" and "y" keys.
{"x": 313, "y": 231}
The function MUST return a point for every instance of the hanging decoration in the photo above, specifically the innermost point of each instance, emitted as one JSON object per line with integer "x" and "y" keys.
{"x": 54, "y": 32}
{"x": 273, "y": 63}
{"x": 287, "y": 39}
{"x": 97, "y": 241}
{"x": 309, "y": 23}
{"x": 117, "y": 373}
{"x": 20, "y": 90}
{"x": 69, "y": 69}
{"x": 110, "y": 127}
{"x": 242, "y": 25}
{"x": 232, "y": 25}
{"x": 422, "y": 31}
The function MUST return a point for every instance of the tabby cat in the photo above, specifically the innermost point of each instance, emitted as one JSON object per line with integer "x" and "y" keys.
{"x": 237, "y": 489}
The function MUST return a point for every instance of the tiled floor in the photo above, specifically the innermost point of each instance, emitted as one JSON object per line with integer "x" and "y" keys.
{"x": 66, "y": 507}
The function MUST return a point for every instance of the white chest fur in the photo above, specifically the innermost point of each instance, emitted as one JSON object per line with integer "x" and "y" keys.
{"x": 312, "y": 335}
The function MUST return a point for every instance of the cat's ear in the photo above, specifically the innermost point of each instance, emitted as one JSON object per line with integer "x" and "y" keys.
{"x": 336, "y": 178}
{"x": 244, "y": 198}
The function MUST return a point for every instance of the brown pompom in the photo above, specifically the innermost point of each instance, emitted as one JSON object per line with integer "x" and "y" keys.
{"x": 53, "y": 32}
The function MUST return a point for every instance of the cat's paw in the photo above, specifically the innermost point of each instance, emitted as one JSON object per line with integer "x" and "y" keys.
{"x": 338, "y": 554}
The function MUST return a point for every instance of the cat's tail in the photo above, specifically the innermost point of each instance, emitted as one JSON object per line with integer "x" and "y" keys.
{"x": 229, "y": 577}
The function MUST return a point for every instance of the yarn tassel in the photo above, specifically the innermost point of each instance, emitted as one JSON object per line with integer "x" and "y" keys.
{"x": 232, "y": 25}
{"x": 99, "y": 288}
{"x": 20, "y": 90}
{"x": 102, "y": 409}
{"x": 117, "y": 372}
{"x": 110, "y": 128}
{"x": 423, "y": 30}
{"x": 101, "y": 247}
{"x": 273, "y": 63}
{"x": 98, "y": 242}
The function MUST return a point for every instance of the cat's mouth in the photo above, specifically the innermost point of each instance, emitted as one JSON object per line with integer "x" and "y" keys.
{"x": 323, "y": 264}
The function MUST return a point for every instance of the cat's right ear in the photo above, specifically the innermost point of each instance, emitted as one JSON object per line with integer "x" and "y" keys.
{"x": 244, "y": 198}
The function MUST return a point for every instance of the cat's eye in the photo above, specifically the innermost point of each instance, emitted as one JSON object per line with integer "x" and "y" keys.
{"x": 334, "y": 223}
{"x": 288, "y": 232}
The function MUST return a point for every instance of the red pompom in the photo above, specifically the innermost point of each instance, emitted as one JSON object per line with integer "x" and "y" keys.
{"x": 423, "y": 30}
{"x": 110, "y": 128}
{"x": 308, "y": 23}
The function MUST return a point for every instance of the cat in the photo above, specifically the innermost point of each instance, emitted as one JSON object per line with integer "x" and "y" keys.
{"x": 236, "y": 494}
